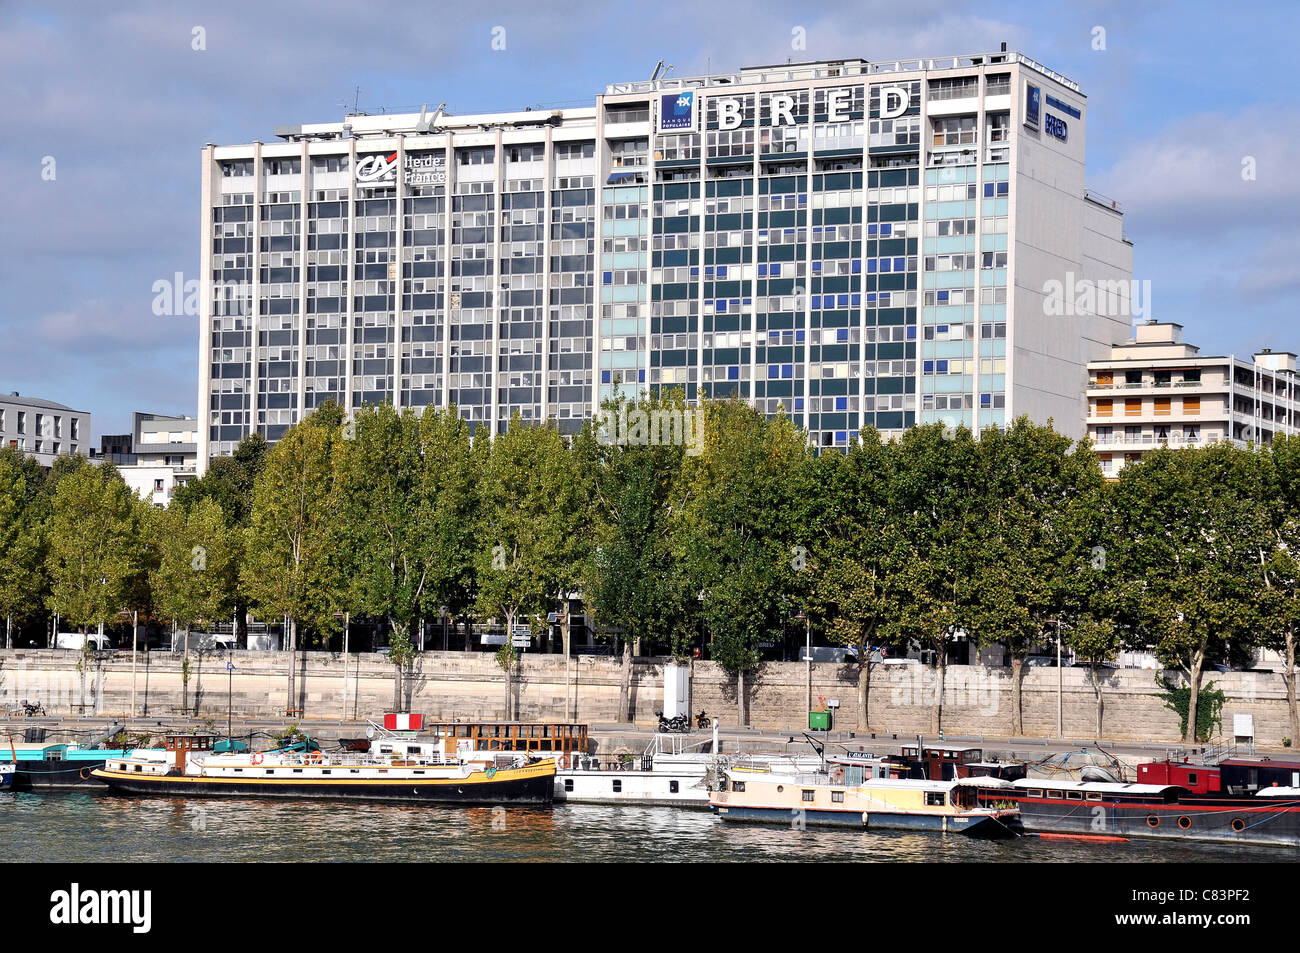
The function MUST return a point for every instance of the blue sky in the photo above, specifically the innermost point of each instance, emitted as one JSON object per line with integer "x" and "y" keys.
{"x": 1181, "y": 94}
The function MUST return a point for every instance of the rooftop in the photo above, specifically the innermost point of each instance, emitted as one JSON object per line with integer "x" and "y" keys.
{"x": 14, "y": 397}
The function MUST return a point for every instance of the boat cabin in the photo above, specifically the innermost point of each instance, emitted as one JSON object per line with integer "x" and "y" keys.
{"x": 1244, "y": 776}
{"x": 1196, "y": 778}
{"x": 535, "y": 738}
{"x": 941, "y": 762}
{"x": 180, "y": 747}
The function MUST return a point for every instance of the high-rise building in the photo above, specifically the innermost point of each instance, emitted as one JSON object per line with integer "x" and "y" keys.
{"x": 850, "y": 243}
{"x": 1156, "y": 391}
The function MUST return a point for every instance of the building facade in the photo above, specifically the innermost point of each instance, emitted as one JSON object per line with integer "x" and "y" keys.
{"x": 41, "y": 428}
{"x": 849, "y": 243}
{"x": 160, "y": 454}
{"x": 1157, "y": 391}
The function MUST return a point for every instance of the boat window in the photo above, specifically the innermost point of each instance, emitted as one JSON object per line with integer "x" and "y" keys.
{"x": 1074, "y": 795}
{"x": 239, "y": 770}
{"x": 618, "y": 786}
{"x": 327, "y": 771}
{"x": 837, "y": 797}
{"x": 1034, "y": 792}
{"x": 568, "y": 784}
{"x": 269, "y": 771}
{"x": 934, "y": 798}
{"x": 356, "y": 770}
{"x": 138, "y": 768}
{"x": 672, "y": 787}
{"x": 738, "y": 785}
{"x": 1094, "y": 795}
{"x": 809, "y": 795}
{"x": 1191, "y": 777}
{"x": 419, "y": 772}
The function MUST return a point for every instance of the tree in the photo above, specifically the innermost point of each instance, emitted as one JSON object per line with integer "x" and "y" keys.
{"x": 447, "y": 509}
{"x": 95, "y": 554}
{"x": 229, "y": 481}
{"x": 530, "y": 514}
{"x": 1096, "y": 641}
{"x": 1034, "y": 497}
{"x": 291, "y": 568}
{"x": 632, "y": 582}
{"x": 198, "y": 565}
{"x": 1194, "y": 528}
{"x": 1279, "y": 563}
{"x": 735, "y": 529}
{"x": 937, "y": 555}
{"x": 379, "y": 473}
{"x": 24, "y": 507}
{"x": 855, "y": 536}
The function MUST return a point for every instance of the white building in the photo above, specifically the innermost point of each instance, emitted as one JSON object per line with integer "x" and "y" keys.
{"x": 163, "y": 455}
{"x": 41, "y": 428}
{"x": 851, "y": 243}
{"x": 1156, "y": 391}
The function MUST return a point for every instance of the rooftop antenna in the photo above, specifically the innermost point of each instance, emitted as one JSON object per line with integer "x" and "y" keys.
{"x": 655, "y": 75}
{"x": 356, "y": 101}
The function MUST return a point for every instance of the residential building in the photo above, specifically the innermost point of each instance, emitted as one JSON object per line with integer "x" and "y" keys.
{"x": 42, "y": 428}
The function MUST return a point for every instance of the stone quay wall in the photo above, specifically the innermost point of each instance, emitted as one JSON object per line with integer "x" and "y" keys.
{"x": 471, "y": 686}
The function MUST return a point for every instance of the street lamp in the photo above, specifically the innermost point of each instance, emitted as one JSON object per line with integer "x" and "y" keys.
{"x": 230, "y": 695}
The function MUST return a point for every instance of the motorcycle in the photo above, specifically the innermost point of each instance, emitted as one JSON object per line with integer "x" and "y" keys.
{"x": 675, "y": 723}
{"x": 702, "y": 720}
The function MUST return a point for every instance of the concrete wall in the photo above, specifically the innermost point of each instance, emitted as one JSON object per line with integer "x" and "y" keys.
{"x": 448, "y": 685}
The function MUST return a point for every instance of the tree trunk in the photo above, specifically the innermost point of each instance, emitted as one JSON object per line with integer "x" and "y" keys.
{"x": 864, "y": 689}
{"x": 740, "y": 697}
{"x": 1194, "y": 680}
{"x": 1101, "y": 705}
{"x": 1289, "y": 677}
{"x": 397, "y": 666}
{"x": 1017, "y": 714}
{"x": 293, "y": 641}
{"x": 936, "y": 720}
{"x": 9, "y": 631}
{"x": 185, "y": 684}
{"x": 625, "y": 684}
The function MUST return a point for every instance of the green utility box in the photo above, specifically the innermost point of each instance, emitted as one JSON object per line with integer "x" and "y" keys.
{"x": 819, "y": 721}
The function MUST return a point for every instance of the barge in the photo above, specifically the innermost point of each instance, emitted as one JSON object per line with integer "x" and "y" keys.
{"x": 394, "y": 769}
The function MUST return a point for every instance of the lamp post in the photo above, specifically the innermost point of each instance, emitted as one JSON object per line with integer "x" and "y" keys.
{"x": 230, "y": 696}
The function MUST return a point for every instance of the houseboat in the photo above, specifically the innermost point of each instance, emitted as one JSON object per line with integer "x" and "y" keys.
{"x": 394, "y": 769}
{"x": 1160, "y": 810}
{"x": 60, "y": 766}
{"x": 863, "y": 794}
{"x": 6, "y": 775}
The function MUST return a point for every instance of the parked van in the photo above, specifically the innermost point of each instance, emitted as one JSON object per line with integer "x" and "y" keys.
{"x": 76, "y": 640}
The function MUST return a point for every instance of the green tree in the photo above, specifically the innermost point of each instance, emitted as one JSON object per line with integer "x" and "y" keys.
{"x": 855, "y": 538}
{"x": 938, "y": 556}
{"x": 1279, "y": 561}
{"x": 379, "y": 470}
{"x": 291, "y": 568}
{"x": 448, "y": 499}
{"x": 24, "y": 507}
{"x": 197, "y": 571}
{"x": 1034, "y": 497}
{"x": 96, "y": 550}
{"x": 735, "y": 529}
{"x": 530, "y": 512}
{"x": 632, "y": 582}
{"x": 1194, "y": 527}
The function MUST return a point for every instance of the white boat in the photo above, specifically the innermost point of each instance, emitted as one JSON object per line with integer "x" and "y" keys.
{"x": 7, "y": 769}
{"x": 670, "y": 773}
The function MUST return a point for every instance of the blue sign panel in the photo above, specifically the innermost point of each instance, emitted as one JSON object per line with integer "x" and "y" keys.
{"x": 1056, "y": 126}
{"x": 677, "y": 111}
{"x": 1033, "y": 100}
{"x": 1064, "y": 107}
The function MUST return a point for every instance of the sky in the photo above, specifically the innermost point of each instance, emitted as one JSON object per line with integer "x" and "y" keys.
{"x": 1193, "y": 120}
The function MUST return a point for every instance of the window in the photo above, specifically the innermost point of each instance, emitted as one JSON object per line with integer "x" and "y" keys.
{"x": 568, "y": 784}
{"x": 1163, "y": 406}
{"x": 1105, "y": 407}
{"x": 618, "y": 786}
{"x": 672, "y": 787}
{"x": 837, "y": 797}
{"x": 1133, "y": 407}
{"x": 1191, "y": 406}
{"x": 808, "y": 796}
{"x": 934, "y": 798}
{"x": 738, "y": 786}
